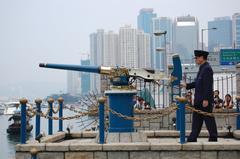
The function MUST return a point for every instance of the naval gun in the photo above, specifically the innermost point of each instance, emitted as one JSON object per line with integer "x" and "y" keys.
{"x": 119, "y": 76}
{"x": 121, "y": 100}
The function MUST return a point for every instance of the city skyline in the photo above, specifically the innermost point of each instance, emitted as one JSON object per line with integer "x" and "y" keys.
{"x": 58, "y": 32}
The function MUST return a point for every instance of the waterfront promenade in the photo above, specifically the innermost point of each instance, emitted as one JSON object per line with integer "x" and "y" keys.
{"x": 137, "y": 145}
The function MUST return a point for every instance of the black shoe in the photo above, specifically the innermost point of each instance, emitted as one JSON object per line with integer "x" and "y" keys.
{"x": 212, "y": 139}
{"x": 191, "y": 140}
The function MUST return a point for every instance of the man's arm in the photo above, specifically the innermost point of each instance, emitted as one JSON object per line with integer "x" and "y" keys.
{"x": 190, "y": 85}
{"x": 207, "y": 86}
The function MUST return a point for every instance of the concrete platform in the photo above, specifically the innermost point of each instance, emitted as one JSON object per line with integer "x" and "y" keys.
{"x": 137, "y": 145}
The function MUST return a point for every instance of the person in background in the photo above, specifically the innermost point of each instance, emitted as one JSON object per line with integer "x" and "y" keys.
{"x": 147, "y": 106}
{"x": 189, "y": 98}
{"x": 228, "y": 103}
{"x": 218, "y": 102}
{"x": 140, "y": 104}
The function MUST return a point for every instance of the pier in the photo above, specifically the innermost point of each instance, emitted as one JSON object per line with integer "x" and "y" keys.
{"x": 129, "y": 133}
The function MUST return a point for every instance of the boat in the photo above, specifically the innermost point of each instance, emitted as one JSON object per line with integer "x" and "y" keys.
{"x": 15, "y": 127}
{"x": 1, "y": 109}
{"x": 10, "y": 107}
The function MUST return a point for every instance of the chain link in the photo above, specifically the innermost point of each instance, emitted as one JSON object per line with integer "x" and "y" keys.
{"x": 153, "y": 114}
{"x": 55, "y": 112}
{"x": 161, "y": 113}
{"x": 210, "y": 114}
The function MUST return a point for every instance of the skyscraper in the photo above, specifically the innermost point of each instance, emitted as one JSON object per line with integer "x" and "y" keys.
{"x": 144, "y": 49}
{"x": 96, "y": 57}
{"x": 85, "y": 78}
{"x": 144, "y": 21}
{"x": 73, "y": 83}
{"x": 128, "y": 46}
{"x": 236, "y": 30}
{"x": 222, "y": 36}
{"x": 134, "y": 47}
{"x": 162, "y": 24}
{"x": 185, "y": 37}
{"x": 111, "y": 56}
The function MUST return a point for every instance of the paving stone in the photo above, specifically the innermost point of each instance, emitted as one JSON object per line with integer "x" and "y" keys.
{"x": 21, "y": 155}
{"x": 209, "y": 155}
{"x": 85, "y": 147}
{"x": 100, "y": 155}
{"x": 138, "y": 146}
{"x": 166, "y": 133}
{"x": 165, "y": 146}
{"x": 137, "y": 124}
{"x": 117, "y": 155}
{"x": 145, "y": 123}
{"x": 154, "y": 126}
{"x": 228, "y": 154}
{"x": 165, "y": 121}
{"x": 170, "y": 155}
{"x": 53, "y": 138}
{"x": 125, "y": 137}
{"x": 192, "y": 146}
{"x": 221, "y": 146}
{"x": 113, "y": 138}
{"x": 76, "y": 134}
{"x": 191, "y": 154}
{"x": 89, "y": 134}
{"x": 57, "y": 147}
{"x": 156, "y": 120}
{"x": 139, "y": 137}
{"x": 28, "y": 147}
{"x": 144, "y": 155}
{"x": 78, "y": 155}
{"x": 52, "y": 155}
{"x": 149, "y": 133}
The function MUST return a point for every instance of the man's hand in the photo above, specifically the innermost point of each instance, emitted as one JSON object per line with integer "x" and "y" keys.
{"x": 205, "y": 103}
{"x": 183, "y": 85}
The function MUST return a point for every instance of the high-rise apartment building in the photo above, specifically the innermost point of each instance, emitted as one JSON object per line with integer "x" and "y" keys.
{"x": 73, "y": 83}
{"x": 185, "y": 37}
{"x": 96, "y": 57}
{"x": 236, "y": 30}
{"x": 128, "y": 46}
{"x": 162, "y": 24}
{"x": 111, "y": 56}
{"x": 144, "y": 49}
{"x": 221, "y": 37}
{"x": 144, "y": 21}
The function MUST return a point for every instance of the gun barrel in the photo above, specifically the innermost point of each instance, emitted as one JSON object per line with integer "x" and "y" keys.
{"x": 81, "y": 68}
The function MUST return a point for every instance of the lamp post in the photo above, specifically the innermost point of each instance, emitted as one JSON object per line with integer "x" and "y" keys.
{"x": 205, "y": 30}
{"x": 159, "y": 49}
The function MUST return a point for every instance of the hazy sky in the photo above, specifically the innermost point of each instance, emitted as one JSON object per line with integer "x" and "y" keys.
{"x": 57, "y": 31}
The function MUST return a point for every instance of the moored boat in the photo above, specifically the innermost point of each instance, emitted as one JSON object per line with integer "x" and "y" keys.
{"x": 15, "y": 127}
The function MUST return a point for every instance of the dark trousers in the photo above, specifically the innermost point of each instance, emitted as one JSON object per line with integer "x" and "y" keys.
{"x": 197, "y": 121}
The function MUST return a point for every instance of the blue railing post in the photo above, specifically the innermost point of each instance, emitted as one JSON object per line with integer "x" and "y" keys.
{"x": 23, "y": 103}
{"x": 50, "y": 114}
{"x": 178, "y": 118}
{"x": 182, "y": 101}
{"x": 60, "y": 102}
{"x": 38, "y": 121}
{"x": 101, "y": 120}
{"x": 176, "y": 90}
{"x": 238, "y": 110}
